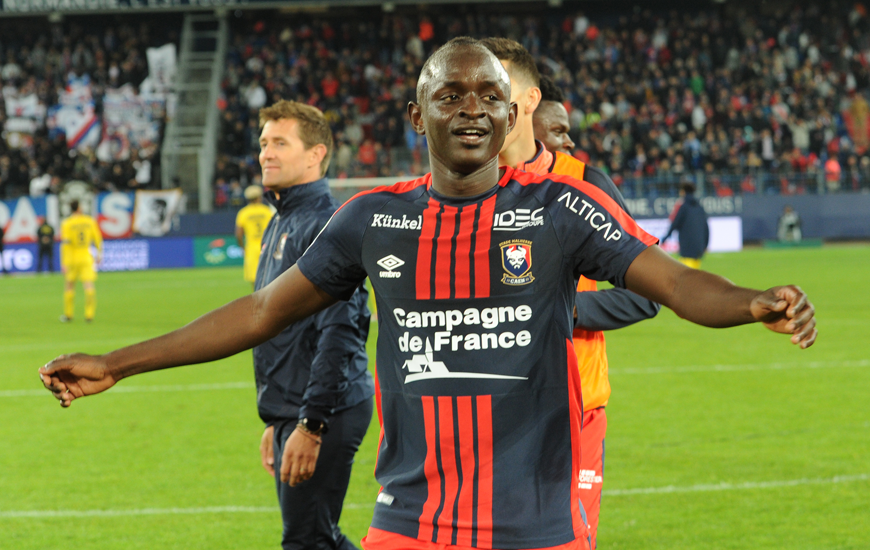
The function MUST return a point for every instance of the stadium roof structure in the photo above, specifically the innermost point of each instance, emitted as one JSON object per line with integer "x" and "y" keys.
{"x": 79, "y": 7}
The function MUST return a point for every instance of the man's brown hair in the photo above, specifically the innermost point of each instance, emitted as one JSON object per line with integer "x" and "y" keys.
{"x": 522, "y": 62}
{"x": 313, "y": 128}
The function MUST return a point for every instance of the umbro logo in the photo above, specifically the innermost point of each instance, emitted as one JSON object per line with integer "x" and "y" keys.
{"x": 390, "y": 263}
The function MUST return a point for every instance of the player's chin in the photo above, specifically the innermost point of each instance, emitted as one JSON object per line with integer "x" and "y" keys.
{"x": 470, "y": 159}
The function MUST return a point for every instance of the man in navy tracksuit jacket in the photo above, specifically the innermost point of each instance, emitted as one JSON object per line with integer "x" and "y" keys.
{"x": 314, "y": 391}
{"x": 691, "y": 221}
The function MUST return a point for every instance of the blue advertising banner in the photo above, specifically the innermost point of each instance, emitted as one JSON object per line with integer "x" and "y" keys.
{"x": 118, "y": 255}
{"x": 136, "y": 254}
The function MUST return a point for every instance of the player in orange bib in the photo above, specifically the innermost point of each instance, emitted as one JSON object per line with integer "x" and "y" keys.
{"x": 595, "y": 311}
{"x": 78, "y": 234}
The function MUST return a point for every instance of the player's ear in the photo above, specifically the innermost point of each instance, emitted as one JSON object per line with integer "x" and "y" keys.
{"x": 512, "y": 116}
{"x": 415, "y": 114}
{"x": 316, "y": 154}
{"x": 533, "y": 99}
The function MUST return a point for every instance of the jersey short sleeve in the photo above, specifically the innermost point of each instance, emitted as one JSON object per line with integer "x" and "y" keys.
{"x": 597, "y": 234}
{"x": 333, "y": 262}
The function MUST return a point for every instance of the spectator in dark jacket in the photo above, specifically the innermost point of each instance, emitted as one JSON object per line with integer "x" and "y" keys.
{"x": 691, "y": 223}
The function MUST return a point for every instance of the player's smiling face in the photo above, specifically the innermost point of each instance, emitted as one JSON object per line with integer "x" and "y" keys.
{"x": 465, "y": 108}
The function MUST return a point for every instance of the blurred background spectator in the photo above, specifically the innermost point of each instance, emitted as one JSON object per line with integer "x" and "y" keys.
{"x": 61, "y": 85}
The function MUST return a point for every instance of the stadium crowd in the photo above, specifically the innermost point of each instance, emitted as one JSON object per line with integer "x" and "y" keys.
{"x": 736, "y": 102}
{"x": 740, "y": 103}
{"x": 38, "y": 64}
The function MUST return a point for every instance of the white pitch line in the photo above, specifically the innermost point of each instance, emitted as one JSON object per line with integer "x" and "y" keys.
{"x": 143, "y": 389}
{"x": 77, "y": 344}
{"x": 39, "y": 514}
{"x": 860, "y": 363}
{"x": 735, "y": 486}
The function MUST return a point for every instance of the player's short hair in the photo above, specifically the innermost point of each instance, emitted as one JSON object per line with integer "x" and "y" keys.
{"x": 550, "y": 91}
{"x": 688, "y": 188}
{"x": 522, "y": 62}
{"x": 253, "y": 192}
{"x": 313, "y": 128}
{"x": 73, "y": 205}
{"x": 436, "y": 56}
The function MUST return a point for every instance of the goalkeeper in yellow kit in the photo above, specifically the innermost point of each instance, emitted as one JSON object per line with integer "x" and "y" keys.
{"x": 251, "y": 222}
{"x": 78, "y": 232}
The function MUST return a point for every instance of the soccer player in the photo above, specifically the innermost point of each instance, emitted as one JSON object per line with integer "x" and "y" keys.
{"x": 551, "y": 122}
{"x": 479, "y": 395}
{"x": 690, "y": 220}
{"x": 250, "y": 223}
{"x": 78, "y": 233}
{"x": 594, "y": 311}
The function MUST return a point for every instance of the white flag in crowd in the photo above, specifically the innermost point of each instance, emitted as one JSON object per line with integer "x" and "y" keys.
{"x": 154, "y": 210}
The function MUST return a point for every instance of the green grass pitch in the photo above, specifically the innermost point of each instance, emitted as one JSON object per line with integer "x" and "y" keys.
{"x": 718, "y": 438}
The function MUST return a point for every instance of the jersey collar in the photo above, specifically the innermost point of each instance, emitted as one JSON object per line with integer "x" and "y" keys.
{"x": 541, "y": 163}
{"x": 291, "y": 198}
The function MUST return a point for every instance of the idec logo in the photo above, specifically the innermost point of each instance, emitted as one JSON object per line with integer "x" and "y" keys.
{"x": 514, "y": 220}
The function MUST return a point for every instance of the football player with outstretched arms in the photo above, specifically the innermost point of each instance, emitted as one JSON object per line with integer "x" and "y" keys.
{"x": 478, "y": 387}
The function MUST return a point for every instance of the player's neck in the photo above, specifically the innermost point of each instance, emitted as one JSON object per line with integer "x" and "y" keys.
{"x": 454, "y": 184}
{"x": 523, "y": 148}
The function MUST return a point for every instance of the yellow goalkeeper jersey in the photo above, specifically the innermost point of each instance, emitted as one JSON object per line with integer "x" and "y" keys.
{"x": 78, "y": 233}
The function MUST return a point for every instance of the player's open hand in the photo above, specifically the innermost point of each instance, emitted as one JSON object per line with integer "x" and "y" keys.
{"x": 72, "y": 376}
{"x": 787, "y": 310}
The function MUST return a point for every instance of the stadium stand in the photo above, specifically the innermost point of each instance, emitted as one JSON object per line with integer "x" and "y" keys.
{"x": 77, "y": 102}
{"x": 749, "y": 104}
{"x": 739, "y": 102}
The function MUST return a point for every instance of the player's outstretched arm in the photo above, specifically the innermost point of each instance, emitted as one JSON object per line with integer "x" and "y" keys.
{"x": 713, "y": 301}
{"x": 235, "y": 327}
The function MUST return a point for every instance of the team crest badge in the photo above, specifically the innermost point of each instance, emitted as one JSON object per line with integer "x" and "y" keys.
{"x": 278, "y": 253}
{"x": 516, "y": 258}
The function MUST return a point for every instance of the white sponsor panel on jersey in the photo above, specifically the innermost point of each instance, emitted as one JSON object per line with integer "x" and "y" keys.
{"x": 387, "y": 220}
{"x": 423, "y": 365}
{"x": 592, "y": 215}
{"x": 514, "y": 220}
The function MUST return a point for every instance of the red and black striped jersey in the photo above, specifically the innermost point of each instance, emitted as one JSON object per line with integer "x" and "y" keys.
{"x": 478, "y": 388}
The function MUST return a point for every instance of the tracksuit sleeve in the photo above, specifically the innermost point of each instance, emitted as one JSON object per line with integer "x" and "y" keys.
{"x": 677, "y": 223}
{"x": 341, "y": 332}
{"x": 611, "y": 309}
